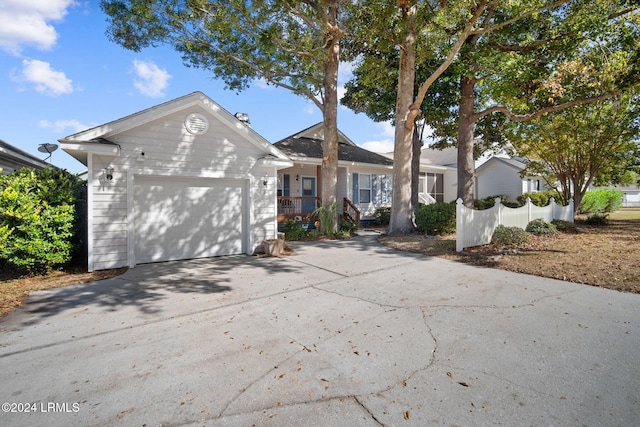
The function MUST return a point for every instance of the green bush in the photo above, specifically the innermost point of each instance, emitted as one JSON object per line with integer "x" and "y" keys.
{"x": 597, "y": 219}
{"x": 564, "y": 226}
{"x": 541, "y": 198}
{"x": 37, "y": 217}
{"x": 347, "y": 229}
{"x": 294, "y": 231}
{"x": 509, "y": 236}
{"x": 540, "y": 226}
{"x": 383, "y": 216}
{"x": 436, "y": 218}
{"x": 601, "y": 200}
{"x": 489, "y": 202}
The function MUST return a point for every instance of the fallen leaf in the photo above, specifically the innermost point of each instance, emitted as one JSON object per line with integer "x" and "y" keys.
{"x": 407, "y": 415}
{"x": 462, "y": 383}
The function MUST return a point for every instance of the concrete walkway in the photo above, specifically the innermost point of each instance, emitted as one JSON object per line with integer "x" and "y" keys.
{"x": 345, "y": 333}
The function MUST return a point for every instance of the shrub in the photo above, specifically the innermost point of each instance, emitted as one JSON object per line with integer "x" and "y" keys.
{"x": 347, "y": 229}
{"x": 509, "y": 236}
{"x": 597, "y": 219}
{"x": 489, "y": 202}
{"x": 601, "y": 200}
{"x": 540, "y": 226}
{"x": 37, "y": 213}
{"x": 383, "y": 216}
{"x": 541, "y": 198}
{"x": 294, "y": 231}
{"x": 436, "y": 218}
{"x": 564, "y": 226}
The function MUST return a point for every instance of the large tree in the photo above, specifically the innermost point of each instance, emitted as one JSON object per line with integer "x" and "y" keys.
{"x": 291, "y": 44}
{"x": 575, "y": 146}
{"x": 503, "y": 55}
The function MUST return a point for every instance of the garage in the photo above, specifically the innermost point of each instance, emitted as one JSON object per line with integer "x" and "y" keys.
{"x": 184, "y": 218}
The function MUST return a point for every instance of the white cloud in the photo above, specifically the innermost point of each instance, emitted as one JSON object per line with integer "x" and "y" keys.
{"x": 381, "y": 146}
{"x": 28, "y": 23}
{"x": 46, "y": 80}
{"x": 60, "y": 126}
{"x": 152, "y": 80}
{"x": 384, "y": 145}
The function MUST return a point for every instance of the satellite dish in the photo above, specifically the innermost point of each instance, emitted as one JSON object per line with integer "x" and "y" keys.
{"x": 47, "y": 148}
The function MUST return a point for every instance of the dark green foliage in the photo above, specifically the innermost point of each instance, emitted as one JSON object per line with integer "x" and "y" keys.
{"x": 294, "y": 231}
{"x": 540, "y": 226}
{"x": 564, "y": 226}
{"x": 346, "y": 229}
{"x": 436, "y": 218}
{"x": 601, "y": 200}
{"x": 489, "y": 202}
{"x": 597, "y": 219}
{"x": 37, "y": 213}
{"x": 383, "y": 215}
{"x": 541, "y": 198}
{"x": 509, "y": 236}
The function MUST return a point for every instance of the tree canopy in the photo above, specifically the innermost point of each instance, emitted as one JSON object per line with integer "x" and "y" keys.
{"x": 518, "y": 58}
{"x": 575, "y": 146}
{"x": 290, "y": 44}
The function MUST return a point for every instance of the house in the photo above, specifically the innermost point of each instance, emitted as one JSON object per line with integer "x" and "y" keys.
{"x": 363, "y": 180}
{"x": 438, "y": 175}
{"x": 501, "y": 176}
{"x": 13, "y": 159}
{"x": 184, "y": 179}
{"x": 496, "y": 173}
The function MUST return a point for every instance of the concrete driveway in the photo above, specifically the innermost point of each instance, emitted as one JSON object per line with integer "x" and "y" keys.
{"x": 340, "y": 333}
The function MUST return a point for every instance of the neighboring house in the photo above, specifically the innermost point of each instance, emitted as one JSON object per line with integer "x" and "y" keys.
{"x": 184, "y": 179}
{"x": 495, "y": 174}
{"x": 13, "y": 159}
{"x": 438, "y": 175}
{"x": 630, "y": 196}
{"x": 363, "y": 178}
{"x": 501, "y": 176}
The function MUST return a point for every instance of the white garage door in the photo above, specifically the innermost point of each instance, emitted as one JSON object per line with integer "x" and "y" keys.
{"x": 176, "y": 218}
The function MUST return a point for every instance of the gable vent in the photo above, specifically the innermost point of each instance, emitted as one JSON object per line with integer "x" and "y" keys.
{"x": 196, "y": 124}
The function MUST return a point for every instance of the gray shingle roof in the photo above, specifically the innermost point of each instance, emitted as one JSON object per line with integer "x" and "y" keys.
{"x": 312, "y": 148}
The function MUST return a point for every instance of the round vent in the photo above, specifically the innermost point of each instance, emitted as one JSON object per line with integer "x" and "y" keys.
{"x": 196, "y": 124}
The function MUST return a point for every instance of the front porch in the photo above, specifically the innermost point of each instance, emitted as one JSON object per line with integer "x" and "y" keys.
{"x": 302, "y": 208}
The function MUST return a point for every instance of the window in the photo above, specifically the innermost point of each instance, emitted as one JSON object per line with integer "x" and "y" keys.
{"x": 435, "y": 186}
{"x": 283, "y": 185}
{"x": 364, "y": 191}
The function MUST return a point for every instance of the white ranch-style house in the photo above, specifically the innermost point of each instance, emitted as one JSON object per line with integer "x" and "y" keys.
{"x": 187, "y": 179}
{"x": 184, "y": 179}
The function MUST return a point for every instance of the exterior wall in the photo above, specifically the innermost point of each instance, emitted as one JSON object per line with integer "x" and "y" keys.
{"x": 450, "y": 185}
{"x": 367, "y": 210}
{"x": 497, "y": 178}
{"x": 170, "y": 150}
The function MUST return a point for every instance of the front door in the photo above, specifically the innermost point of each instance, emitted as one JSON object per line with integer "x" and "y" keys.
{"x": 308, "y": 190}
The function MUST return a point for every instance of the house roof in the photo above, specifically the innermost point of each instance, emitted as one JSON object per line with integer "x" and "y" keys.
{"x": 433, "y": 157}
{"x": 301, "y": 148}
{"x": 97, "y": 139}
{"x": 13, "y": 158}
{"x": 317, "y": 132}
{"x": 513, "y": 162}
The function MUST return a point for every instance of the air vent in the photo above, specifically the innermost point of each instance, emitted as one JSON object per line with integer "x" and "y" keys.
{"x": 196, "y": 124}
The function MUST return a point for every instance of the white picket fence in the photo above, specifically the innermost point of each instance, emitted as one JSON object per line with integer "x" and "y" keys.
{"x": 475, "y": 227}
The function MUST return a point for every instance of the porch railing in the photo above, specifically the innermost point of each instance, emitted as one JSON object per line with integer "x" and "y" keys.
{"x": 290, "y": 207}
{"x": 350, "y": 211}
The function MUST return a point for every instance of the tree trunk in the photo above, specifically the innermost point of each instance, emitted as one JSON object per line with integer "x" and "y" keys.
{"x": 415, "y": 169}
{"x": 401, "y": 212}
{"x": 466, "y": 124}
{"x": 330, "y": 119}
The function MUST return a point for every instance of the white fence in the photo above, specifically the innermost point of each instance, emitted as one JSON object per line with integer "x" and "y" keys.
{"x": 475, "y": 228}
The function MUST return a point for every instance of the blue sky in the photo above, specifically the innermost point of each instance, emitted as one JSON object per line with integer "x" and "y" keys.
{"x": 59, "y": 74}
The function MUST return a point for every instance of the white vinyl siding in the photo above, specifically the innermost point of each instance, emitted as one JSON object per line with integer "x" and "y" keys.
{"x": 171, "y": 151}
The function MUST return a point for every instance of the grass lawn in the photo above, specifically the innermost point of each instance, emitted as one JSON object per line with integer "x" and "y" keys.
{"x": 606, "y": 256}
